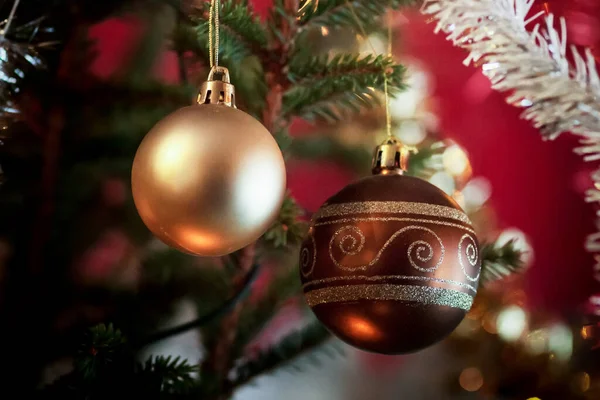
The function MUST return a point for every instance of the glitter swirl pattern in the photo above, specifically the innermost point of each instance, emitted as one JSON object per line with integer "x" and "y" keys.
{"x": 423, "y": 251}
{"x": 472, "y": 256}
{"x": 306, "y": 260}
{"x": 353, "y": 248}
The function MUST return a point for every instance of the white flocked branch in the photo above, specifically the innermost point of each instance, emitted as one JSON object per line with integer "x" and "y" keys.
{"x": 526, "y": 56}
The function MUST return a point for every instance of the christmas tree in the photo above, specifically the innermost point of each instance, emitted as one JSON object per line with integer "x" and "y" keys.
{"x": 82, "y": 277}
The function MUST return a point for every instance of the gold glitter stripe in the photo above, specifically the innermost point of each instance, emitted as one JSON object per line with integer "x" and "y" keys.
{"x": 386, "y": 277}
{"x": 422, "y": 220}
{"x": 392, "y": 207}
{"x": 412, "y": 293}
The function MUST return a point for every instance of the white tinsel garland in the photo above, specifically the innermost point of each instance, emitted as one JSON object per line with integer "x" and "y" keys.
{"x": 532, "y": 65}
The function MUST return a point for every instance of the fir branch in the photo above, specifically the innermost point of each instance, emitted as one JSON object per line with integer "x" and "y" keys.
{"x": 427, "y": 159}
{"x": 499, "y": 261}
{"x": 287, "y": 230}
{"x": 330, "y": 88}
{"x": 290, "y": 347}
{"x": 243, "y": 41}
{"x": 241, "y": 32}
{"x": 344, "y": 13}
{"x": 283, "y": 23}
{"x": 306, "y": 70}
{"x": 104, "y": 345}
{"x": 166, "y": 375}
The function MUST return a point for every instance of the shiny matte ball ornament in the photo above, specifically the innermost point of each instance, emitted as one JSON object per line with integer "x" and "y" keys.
{"x": 391, "y": 263}
{"x": 209, "y": 179}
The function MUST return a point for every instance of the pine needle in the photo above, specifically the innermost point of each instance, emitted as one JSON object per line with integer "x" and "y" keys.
{"x": 330, "y": 89}
{"x": 499, "y": 261}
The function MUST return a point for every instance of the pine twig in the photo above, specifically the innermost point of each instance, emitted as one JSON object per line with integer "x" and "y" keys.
{"x": 330, "y": 89}
{"x": 345, "y": 13}
{"x": 499, "y": 262}
{"x": 242, "y": 33}
{"x": 287, "y": 230}
{"x": 310, "y": 70}
{"x": 167, "y": 375}
{"x": 103, "y": 346}
{"x": 288, "y": 349}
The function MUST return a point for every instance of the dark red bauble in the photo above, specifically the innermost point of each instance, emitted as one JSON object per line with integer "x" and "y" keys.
{"x": 390, "y": 265}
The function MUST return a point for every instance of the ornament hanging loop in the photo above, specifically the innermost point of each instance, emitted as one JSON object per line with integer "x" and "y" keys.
{"x": 218, "y": 88}
{"x": 224, "y": 72}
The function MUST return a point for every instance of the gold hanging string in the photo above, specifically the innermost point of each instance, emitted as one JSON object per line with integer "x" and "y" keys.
{"x": 213, "y": 33}
{"x": 360, "y": 27}
{"x": 10, "y": 18}
{"x": 388, "y": 116}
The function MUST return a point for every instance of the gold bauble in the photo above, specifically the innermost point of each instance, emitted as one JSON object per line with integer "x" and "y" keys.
{"x": 209, "y": 179}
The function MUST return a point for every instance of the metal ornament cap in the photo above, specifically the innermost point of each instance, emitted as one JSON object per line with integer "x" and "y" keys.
{"x": 390, "y": 158}
{"x": 217, "y": 91}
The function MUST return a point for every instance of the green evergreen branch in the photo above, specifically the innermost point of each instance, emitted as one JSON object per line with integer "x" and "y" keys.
{"x": 282, "y": 22}
{"x": 305, "y": 70}
{"x": 287, "y": 230}
{"x": 241, "y": 32}
{"x": 341, "y": 13}
{"x": 289, "y": 348}
{"x": 499, "y": 261}
{"x": 104, "y": 345}
{"x": 242, "y": 49}
{"x": 333, "y": 88}
{"x": 166, "y": 375}
{"x": 427, "y": 159}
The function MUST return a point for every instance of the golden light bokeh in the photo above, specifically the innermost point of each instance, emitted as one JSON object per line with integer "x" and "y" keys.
{"x": 471, "y": 379}
{"x": 456, "y": 162}
{"x": 581, "y": 382}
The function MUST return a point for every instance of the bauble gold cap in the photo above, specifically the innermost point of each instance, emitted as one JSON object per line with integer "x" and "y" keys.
{"x": 390, "y": 158}
{"x": 217, "y": 91}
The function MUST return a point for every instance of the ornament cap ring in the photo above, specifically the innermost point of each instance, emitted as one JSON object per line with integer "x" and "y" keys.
{"x": 217, "y": 90}
{"x": 217, "y": 69}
